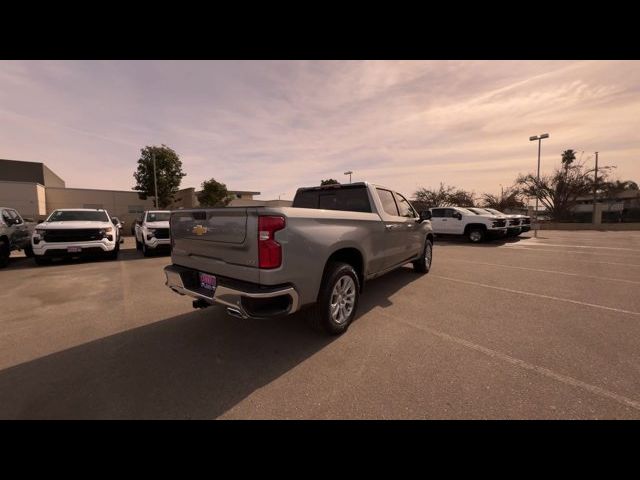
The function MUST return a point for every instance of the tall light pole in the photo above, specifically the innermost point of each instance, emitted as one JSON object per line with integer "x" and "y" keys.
{"x": 539, "y": 139}
{"x": 349, "y": 173}
{"x": 595, "y": 188}
{"x": 155, "y": 178}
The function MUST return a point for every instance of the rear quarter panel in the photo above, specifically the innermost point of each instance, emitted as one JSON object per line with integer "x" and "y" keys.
{"x": 311, "y": 236}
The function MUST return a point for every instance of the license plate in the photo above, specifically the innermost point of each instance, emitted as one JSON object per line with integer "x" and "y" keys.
{"x": 74, "y": 249}
{"x": 208, "y": 282}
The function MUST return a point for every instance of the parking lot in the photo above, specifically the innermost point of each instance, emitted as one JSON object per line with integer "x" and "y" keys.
{"x": 524, "y": 328}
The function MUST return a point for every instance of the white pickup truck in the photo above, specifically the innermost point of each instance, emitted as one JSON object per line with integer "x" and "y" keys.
{"x": 15, "y": 234}
{"x": 460, "y": 221}
{"x": 152, "y": 232}
{"x": 75, "y": 232}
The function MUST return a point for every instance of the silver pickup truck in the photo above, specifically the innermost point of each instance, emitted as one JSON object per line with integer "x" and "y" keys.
{"x": 268, "y": 261}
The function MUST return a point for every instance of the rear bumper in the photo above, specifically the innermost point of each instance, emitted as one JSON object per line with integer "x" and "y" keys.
{"x": 241, "y": 298}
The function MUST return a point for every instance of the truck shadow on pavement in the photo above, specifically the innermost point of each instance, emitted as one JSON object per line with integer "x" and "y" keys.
{"x": 491, "y": 242}
{"x": 195, "y": 365}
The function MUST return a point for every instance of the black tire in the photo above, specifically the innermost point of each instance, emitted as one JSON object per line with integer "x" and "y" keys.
{"x": 5, "y": 252}
{"x": 145, "y": 250}
{"x": 138, "y": 244}
{"x": 423, "y": 264}
{"x": 28, "y": 250}
{"x": 320, "y": 317}
{"x": 476, "y": 234}
{"x": 114, "y": 254}
{"x": 40, "y": 260}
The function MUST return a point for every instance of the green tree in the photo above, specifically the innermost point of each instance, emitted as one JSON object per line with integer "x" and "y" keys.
{"x": 214, "y": 194}
{"x": 559, "y": 191}
{"x": 168, "y": 172}
{"x": 329, "y": 181}
{"x": 509, "y": 200}
{"x": 443, "y": 196}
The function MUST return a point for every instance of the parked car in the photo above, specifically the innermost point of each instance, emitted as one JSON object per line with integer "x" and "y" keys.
{"x": 70, "y": 232}
{"x": 152, "y": 233}
{"x": 15, "y": 234}
{"x": 269, "y": 261}
{"x": 462, "y": 221}
{"x": 119, "y": 225}
{"x": 516, "y": 223}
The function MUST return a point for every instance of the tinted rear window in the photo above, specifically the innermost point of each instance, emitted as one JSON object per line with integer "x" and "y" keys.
{"x": 345, "y": 198}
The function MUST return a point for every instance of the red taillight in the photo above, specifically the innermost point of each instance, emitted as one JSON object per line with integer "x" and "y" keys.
{"x": 269, "y": 251}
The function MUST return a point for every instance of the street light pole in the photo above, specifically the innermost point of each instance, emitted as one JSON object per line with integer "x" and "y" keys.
{"x": 155, "y": 178}
{"x": 349, "y": 173}
{"x": 595, "y": 188}
{"x": 531, "y": 139}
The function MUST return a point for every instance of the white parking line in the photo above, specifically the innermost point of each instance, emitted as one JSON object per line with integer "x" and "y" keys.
{"x": 536, "y": 243}
{"x": 520, "y": 363}
{"x": 539, "y": 250}
{"x": 546, "y": 271}
{"x": 539, "y": 295}
{"x": 635, "y": 256}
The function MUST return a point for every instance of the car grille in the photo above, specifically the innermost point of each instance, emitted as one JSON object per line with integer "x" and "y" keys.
{"x": 526, "y": 221}
{"x": 514, "y": 222}
{"x": 73, "y": 235}
{"x": 162, "y": 233}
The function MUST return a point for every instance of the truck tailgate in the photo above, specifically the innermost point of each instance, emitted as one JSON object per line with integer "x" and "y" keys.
{"x": 221, "y": 241}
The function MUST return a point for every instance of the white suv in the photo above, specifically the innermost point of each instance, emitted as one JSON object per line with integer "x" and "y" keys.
{"x": 152, "y": 232}
{"x": 74, "y": 233}
{"x": 460, "y": 221}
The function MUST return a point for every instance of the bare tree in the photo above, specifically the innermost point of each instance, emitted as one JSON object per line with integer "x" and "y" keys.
{"x": 443, "y": 196}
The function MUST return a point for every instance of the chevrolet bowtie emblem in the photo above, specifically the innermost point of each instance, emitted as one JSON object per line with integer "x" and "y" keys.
{"x": 199, "y": 230}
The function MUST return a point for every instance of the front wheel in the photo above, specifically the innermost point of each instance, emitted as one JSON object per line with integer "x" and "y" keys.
{"x": 338, "y": 299}
{"x": 423, "y": 264}
{"x": 28, "y": 250}
{"x": 146, "y": 251}
{"x": 5, "y": 252}
{"x": 476, "y": 235}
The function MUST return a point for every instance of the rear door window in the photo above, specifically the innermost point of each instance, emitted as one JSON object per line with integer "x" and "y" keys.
{"x": 388, "y": 203}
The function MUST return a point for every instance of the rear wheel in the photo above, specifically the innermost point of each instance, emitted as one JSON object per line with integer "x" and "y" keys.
{"x": 338, "y": 299}
{"x": 28, "y": 250}
{"x": 4, "y": 253}
{"x": 423, "y": 264}
{"x": 476, "y": 235}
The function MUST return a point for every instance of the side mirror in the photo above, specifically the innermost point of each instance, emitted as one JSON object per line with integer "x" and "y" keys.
{"x": 425, "y": 215}
{"x": 458, "y": 215}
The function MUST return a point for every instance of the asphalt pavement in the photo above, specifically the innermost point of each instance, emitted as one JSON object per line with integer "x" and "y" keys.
{"x": 524, "y": 328}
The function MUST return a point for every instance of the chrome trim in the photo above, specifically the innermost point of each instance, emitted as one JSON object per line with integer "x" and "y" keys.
{"x": 229, "y": 297}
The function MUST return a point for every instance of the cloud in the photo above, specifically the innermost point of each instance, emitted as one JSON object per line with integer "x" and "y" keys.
{"x": 274, "y": 126}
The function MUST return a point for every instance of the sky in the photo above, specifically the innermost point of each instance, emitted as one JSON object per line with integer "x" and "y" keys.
{"x": 274, "y": 126}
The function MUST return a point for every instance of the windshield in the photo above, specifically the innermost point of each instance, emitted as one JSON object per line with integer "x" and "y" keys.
{"x": 465, "y": 211}
{"x": 158, "y": 216}
{"x": 494, "y": 211}
{"x": 78, "y": 216}
{"x": 477, "y": 211}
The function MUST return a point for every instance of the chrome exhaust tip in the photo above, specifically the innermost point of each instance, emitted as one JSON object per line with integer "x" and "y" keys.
{"x": 234, "y": 312}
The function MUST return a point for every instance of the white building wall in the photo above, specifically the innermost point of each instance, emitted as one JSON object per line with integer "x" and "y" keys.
{"x": 27, "y": 198}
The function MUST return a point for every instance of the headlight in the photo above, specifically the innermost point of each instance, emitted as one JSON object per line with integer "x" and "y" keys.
{"x": 151, "y": 232}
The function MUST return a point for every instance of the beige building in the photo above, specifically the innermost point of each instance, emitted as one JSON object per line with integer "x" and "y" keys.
{"x": 35, "y": 191}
